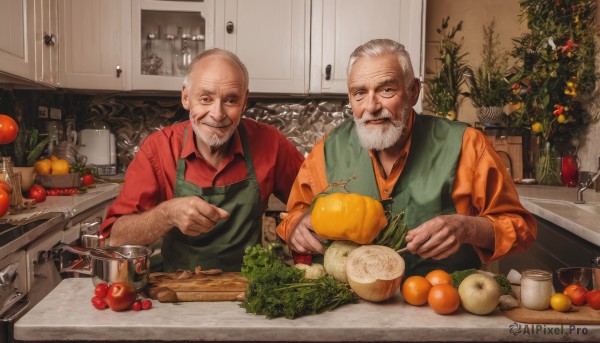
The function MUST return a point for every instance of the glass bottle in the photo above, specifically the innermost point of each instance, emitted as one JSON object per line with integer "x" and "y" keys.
{"x": 536, "y": 289}
{"x": 7, "y": 175}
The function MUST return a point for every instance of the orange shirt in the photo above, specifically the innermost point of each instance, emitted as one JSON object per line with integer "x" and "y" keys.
{"x": 482, "y": 187}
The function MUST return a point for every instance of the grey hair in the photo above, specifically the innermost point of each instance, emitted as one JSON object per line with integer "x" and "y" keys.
{"x": 378, "y": 47}
{"x": 216, "y": 51}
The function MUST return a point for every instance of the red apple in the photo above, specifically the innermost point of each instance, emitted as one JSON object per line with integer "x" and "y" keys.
{"x": 120, "y": 296}
{"x": 593, "y": 299}
{"x": 38, "y": 193}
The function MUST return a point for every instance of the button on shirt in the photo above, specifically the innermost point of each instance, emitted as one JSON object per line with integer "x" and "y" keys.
{"x": 150, "y": 177}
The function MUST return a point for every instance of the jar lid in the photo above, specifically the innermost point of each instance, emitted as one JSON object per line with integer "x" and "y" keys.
{"x": 536, "y": 274}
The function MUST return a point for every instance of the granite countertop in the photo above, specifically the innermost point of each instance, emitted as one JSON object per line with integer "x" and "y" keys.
{"x": 66, "y": 314}
{"x": 557, "y": 205}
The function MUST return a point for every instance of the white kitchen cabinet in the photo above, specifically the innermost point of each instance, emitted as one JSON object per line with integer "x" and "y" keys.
{"x": 165, "y": 36}
{"x": 339, "y": 26}
{"x": 271, "y": 37}
{"x": 94, "y": 44}
{"x": 28, "y": 36}
{"x": 16, "y": 38}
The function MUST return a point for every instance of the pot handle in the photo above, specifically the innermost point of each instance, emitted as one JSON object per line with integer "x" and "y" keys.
{"x": 75, "y": 260}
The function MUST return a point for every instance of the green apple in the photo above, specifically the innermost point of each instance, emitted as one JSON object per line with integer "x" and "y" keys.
{"x": 479, "y": 294}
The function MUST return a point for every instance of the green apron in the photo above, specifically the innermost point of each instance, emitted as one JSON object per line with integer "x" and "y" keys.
{"x": 223, "y": 246}
{"x": 422, "y": 191}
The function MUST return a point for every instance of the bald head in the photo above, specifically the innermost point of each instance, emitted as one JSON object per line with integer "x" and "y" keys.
{"x": 221, "y": 54}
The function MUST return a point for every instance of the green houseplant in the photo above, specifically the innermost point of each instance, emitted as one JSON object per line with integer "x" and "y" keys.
{"x": 442, "y": 87}
{"x": 489, "y": 88}
{"x": 556, "y": 77}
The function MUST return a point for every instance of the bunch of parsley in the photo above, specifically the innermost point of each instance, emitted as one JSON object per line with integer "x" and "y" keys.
{"x": 278, "y": 290}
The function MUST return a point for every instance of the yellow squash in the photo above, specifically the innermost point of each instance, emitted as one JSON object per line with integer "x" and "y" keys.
{"x": 348, "y": 216}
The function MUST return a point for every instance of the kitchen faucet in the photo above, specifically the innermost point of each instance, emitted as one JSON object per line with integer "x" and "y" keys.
{"x": 585, "y": 185}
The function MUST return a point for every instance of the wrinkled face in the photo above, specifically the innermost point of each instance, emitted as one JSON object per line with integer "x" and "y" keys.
{"x": 379, "y": 100}
{"x": 216, "y": 98}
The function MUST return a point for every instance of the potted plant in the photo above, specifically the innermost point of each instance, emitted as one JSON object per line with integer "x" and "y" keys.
{"x": 27, "y": 149}
{"x": 442, "y": 89}
{"x": 557, "y": 78}
{"x": 489, "y": 89}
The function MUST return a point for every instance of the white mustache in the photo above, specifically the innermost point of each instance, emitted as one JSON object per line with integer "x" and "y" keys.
{"x": 225, "y": 122}
{"x": 383, "y": 114}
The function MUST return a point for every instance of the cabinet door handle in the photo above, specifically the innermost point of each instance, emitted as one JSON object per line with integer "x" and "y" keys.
{"x": 328, "y": 72}
{"x": 229, "y": 27}
{"x": 119, "y": 71}
{"x": 49, "y": 39}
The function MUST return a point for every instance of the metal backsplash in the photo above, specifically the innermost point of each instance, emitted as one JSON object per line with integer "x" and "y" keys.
{"x": 303, "y": 123}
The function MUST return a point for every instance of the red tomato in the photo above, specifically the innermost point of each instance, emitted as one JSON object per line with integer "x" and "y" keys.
{"x": 120, "y": 296}
{"x": 101, "y": 290}
{"x": 593, "y": 299}
{"x": 99, "y": 303}
{"x": 8, "y": 129}
{"x": 4, "y": 202}
{"x": 87, "y": 179}
{"x": 7, "y": 188}
{"x": 301, "y": 258}
{"x": 38, "y": 193}
{"x": 146, "y": 304}
{"x": 577, "y": 293}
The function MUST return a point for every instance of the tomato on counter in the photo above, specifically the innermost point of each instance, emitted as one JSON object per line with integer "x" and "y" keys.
{"x": 8, "y": 129}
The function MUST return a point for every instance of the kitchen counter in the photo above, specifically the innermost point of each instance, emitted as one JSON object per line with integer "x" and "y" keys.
{"x": 50, "y": 215}
{"x": 556, "y": 204}
{"x": 66, "y": 314}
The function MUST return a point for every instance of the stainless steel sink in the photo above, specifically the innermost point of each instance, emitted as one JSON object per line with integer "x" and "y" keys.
{"x": 592, "y": 207}
{"x": 561, "y": 206}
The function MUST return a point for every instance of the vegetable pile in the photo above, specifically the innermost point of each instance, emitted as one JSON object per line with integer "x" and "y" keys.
{"x": 278, "y": 290}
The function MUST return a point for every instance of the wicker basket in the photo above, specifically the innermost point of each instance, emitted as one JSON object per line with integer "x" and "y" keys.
{"x": 489, "y": 115}
{"x": 59, "y": 181}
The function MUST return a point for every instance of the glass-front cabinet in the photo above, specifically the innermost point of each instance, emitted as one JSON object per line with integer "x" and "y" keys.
{"x": 166, "y": 35}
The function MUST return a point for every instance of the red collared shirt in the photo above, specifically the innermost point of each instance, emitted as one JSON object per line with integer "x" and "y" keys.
{"x": 150, "y": 177}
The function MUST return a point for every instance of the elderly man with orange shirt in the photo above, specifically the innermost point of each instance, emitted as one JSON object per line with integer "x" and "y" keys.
{"x": 460, "y": 204}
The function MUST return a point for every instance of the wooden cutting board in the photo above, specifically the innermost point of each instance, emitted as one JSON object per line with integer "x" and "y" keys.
{"x": 580, "y": 315}
{"x": 227, "y": 286}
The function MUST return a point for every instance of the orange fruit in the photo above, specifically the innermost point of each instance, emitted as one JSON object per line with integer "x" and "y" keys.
{"x": 60, "y": 167}
{"x": 43, "y": 167}
{"x": 415, "y": 290}
{"x": 439, "y": 277}
{"x": 443, "y": 299}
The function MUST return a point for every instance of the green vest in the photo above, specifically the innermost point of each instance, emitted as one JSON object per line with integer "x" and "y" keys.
{"x": 223, "y": 246}
{"x": 424, "y": 187}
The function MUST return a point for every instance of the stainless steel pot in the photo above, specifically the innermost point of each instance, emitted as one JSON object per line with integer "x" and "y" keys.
{"x": 127, "y": 263}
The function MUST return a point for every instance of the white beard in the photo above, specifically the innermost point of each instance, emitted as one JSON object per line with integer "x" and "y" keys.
{"x": 214, "y": 140}
{"x": 379, "y": 137}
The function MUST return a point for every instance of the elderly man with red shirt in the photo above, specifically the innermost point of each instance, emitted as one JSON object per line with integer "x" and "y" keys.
{"x": 202, "y": 185}
{"x": 460, "y": 203}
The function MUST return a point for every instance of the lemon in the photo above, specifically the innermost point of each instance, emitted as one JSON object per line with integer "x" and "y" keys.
{"x": 43, "y": 167}
{"x": 60, "y": 167}
{"x": 560, "y": 302}
{"x": 536, "y": 127}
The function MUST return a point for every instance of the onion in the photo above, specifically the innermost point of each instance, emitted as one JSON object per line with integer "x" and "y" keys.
{"x": 374, "y": 272}
{"x": 335, "y": 258}
{"x": 313, "y": 271}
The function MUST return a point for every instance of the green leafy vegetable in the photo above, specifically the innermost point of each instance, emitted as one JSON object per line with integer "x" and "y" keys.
{"x": 278, "y": 290}
{"x": 459, "y": 275}
{"x": 505, "y": 287}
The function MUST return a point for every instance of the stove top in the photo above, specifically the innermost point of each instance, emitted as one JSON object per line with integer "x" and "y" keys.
{"x": 13, "y": 236}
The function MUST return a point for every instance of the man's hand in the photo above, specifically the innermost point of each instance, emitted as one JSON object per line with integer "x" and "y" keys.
{"x": 193, "y": 215}
{"x": 442, "y": 236}
{"x": 303, "y": 238}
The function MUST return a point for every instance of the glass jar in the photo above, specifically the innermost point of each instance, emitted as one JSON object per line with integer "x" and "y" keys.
{"x": 536, "y": 289}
